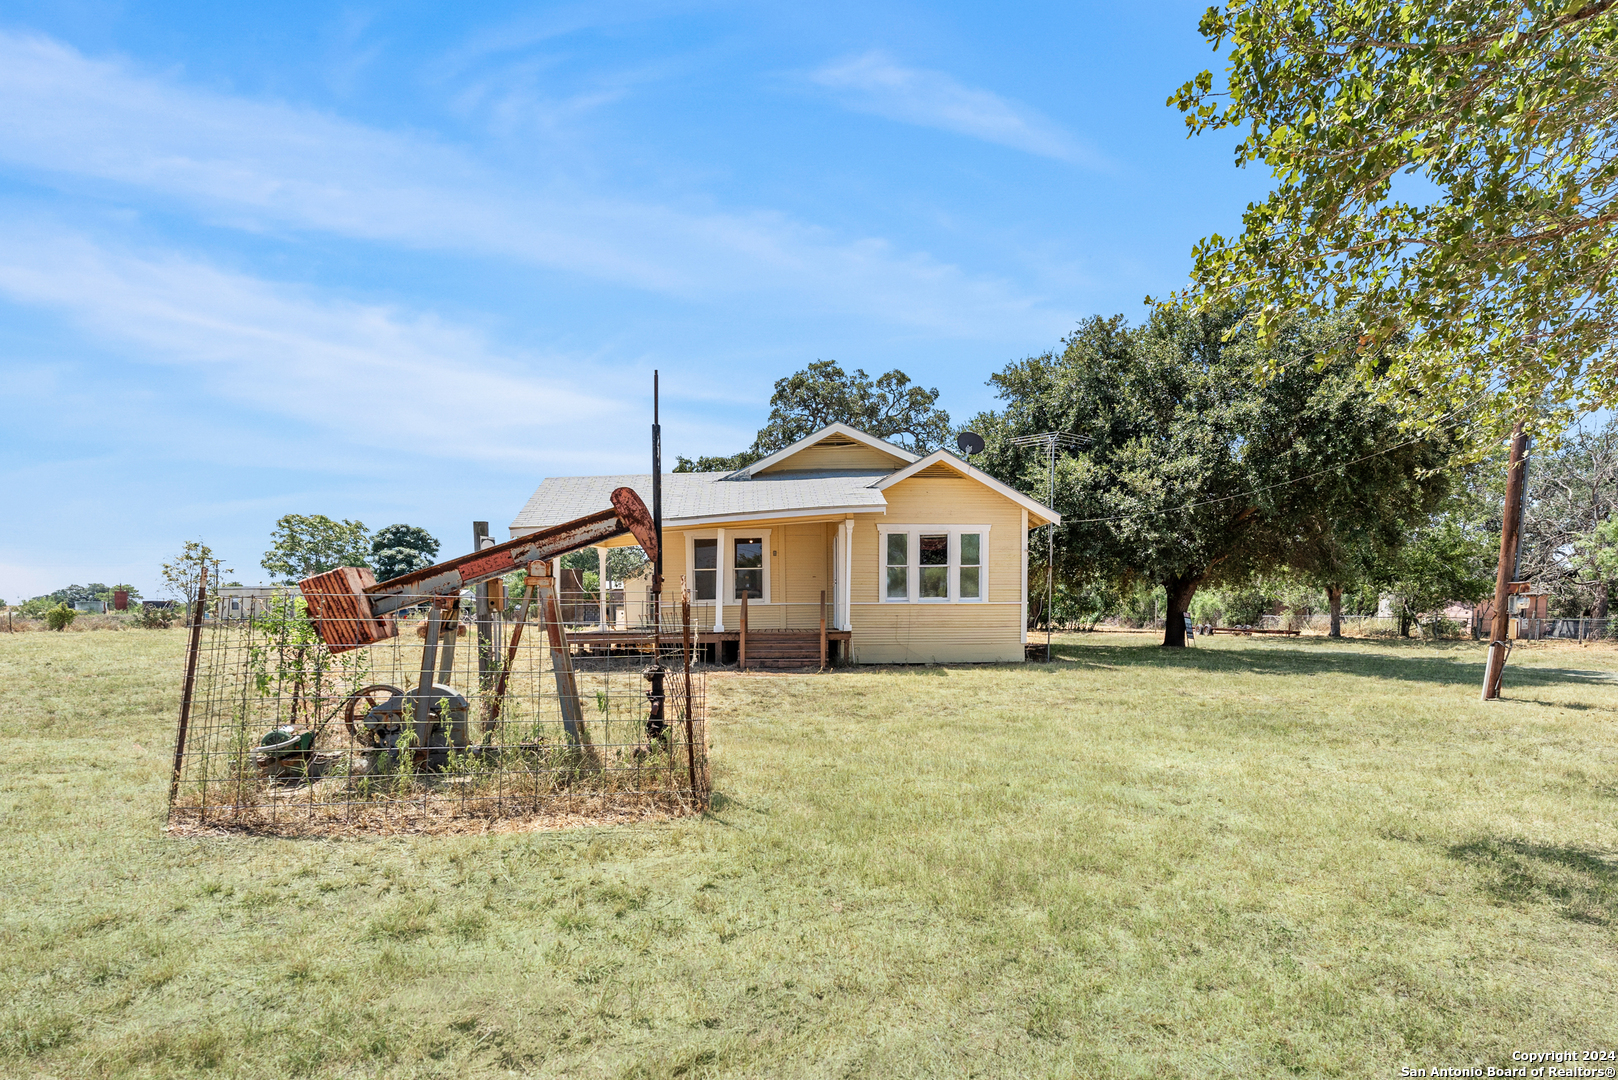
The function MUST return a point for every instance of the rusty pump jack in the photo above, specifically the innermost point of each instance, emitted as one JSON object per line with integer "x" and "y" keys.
{"x": 350, "y": 609}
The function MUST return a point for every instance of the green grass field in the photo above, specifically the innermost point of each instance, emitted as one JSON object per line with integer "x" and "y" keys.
{"x": 1251, "y": 858}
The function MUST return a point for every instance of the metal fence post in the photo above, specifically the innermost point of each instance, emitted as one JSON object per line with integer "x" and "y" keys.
{"x": 190, "y": 681}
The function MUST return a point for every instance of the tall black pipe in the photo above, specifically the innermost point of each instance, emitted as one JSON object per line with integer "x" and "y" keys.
{"x": 656, "y": 726}
{"x": 657, "y": 493}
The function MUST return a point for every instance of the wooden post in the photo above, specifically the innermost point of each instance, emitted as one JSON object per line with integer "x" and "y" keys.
{"x": 690, "y": 727}
{"x": 488, "y": 652}
{"x": 190, "y": 683}
{"x": 567, "y": 686}
{"x": 511, "y": 658}
{"x": 822, "y": 629}
{"x": 1510, "y": 536}
{"x": 741, "y": 646}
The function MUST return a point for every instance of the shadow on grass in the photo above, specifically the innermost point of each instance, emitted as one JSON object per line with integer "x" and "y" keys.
{"x": 1583, "y": 882}
{"x": 1395, "y": 662}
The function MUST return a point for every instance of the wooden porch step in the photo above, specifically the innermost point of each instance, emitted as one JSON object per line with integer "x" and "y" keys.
{"x": 783, "y": 650}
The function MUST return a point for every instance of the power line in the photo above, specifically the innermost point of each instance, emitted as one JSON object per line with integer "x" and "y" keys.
{"x": 1036, "y": 440}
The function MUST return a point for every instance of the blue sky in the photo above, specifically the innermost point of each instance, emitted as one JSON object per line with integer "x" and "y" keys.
{"x": 399, "y": 263}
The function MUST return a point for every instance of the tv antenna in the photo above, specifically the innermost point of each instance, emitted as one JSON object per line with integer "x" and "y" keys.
{"x": 1050, "y": 442}
{"x": 969, "y": 442}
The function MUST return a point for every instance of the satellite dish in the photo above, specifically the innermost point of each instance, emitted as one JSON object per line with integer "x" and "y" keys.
{"x": 970, "y": 443}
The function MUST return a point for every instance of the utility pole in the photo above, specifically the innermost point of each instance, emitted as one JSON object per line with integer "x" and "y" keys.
{"x": 1510, "y": 544}
{"x": 1049, "y": 441}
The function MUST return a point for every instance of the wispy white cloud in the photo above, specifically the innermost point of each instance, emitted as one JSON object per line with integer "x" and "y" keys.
{"x": 277, "y": 166}
{"x": 875, "y": 83}
{"x": 353, "y": 374}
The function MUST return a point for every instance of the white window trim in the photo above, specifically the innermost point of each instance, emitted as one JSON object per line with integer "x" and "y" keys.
{"x": 727, "y": 561}
{"x": 913, "y": 568}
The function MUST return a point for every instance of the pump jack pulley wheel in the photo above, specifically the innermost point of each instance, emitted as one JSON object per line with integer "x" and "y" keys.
{"x": 359, "y": 706}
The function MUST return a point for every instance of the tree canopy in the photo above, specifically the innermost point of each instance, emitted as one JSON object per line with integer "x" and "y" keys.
{"x": 623, "y": 563}
{"x": 182, "y": 574}
{"x": 890, "y": 407}
{"x": 1445, "y": 172}
{"x": 401, "y": 549}
{"x": 302, "y": 545}
{"x": 1190, "y": 472}
{"x": 1570, "y": 492}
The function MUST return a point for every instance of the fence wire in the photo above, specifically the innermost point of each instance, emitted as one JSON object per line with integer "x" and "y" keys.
{"x": 487, "y": 724}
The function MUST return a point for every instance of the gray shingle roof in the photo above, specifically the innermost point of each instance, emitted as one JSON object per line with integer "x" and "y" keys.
{"x": 688, "y": 496}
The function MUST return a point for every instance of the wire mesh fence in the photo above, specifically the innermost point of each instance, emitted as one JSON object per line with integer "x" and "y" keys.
{"x": 451, "y": 722}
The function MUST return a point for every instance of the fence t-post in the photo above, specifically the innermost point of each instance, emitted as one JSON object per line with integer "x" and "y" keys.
{"x": 189, "y": 686}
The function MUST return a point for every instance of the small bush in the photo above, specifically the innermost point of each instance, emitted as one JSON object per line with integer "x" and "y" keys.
{"x": 60, "y": 617}
{"x": 153, "y": 618}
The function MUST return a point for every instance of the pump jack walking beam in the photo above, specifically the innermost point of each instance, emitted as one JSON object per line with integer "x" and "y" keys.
{"x": 350, "y": 609}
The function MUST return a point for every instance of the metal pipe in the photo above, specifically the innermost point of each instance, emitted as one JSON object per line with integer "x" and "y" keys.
{"x": 690, "y": 728}
{"x": 189, "y": 685}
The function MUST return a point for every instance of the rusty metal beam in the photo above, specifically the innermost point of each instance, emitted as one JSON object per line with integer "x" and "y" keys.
{"x": 358, "y": 615}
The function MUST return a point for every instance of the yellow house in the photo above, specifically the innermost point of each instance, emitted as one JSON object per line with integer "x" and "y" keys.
{"x": 919, "y": 559}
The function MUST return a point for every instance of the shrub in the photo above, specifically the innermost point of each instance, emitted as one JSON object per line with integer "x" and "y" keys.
{"x": 60, "y": 617}
{"x": 153, "y": 618}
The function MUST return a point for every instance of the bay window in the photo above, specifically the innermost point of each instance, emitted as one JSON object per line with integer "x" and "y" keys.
{"x": 933, "y": 564}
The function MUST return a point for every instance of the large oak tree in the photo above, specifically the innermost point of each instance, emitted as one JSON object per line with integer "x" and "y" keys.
{"x": 1193, "y": 473}
{"x": 1446, "y": 172}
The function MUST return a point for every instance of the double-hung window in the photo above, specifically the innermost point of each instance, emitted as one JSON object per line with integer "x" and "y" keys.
{"x": 749, "y": 567}
{"x": 933, "y": 555}
{"x": 726, "y": 565}
{"x": 971, "y": 566}
{"x": 705, "y": 568}
{"x": 934, "y": 564}
{"x": 898, "y": 548}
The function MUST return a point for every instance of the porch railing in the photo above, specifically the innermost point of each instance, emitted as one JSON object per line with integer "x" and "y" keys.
{"x": 583, "y": 614}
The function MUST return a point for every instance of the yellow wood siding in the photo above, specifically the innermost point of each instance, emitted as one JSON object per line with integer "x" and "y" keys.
{"x": 940, "y": 633}
{"x": 799, "y": 569}
{"x": 904, "y": 633}
{"x": 851, "y": 455}
{"x": 804, "y": 562}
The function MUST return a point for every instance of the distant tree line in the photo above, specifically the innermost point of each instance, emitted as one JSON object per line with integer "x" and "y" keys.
{"x": 303, "y": 545}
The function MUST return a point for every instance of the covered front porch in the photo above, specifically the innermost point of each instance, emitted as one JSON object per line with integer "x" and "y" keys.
{"x": 759, "y": 592}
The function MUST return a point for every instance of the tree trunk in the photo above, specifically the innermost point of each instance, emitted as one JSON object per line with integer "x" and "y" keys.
{"x": 1180, "y": 590}
{"x": 1600, "y": 609}
{"x": 1334, "y": 595}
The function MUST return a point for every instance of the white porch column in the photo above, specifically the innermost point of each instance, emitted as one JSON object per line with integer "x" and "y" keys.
{"x": 601, "y": 583}
{"x": 719, "y": 589}
{"x": 848, "y": 574}
{"x": 1024, "y": 577}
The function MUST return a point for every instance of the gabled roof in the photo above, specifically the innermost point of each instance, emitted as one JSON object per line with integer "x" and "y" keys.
{"x": 706, "y": 498}
{"x": 900, "y": 454}
{"x": 1038, "y": 512}
{"x": 695, "y": 499}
